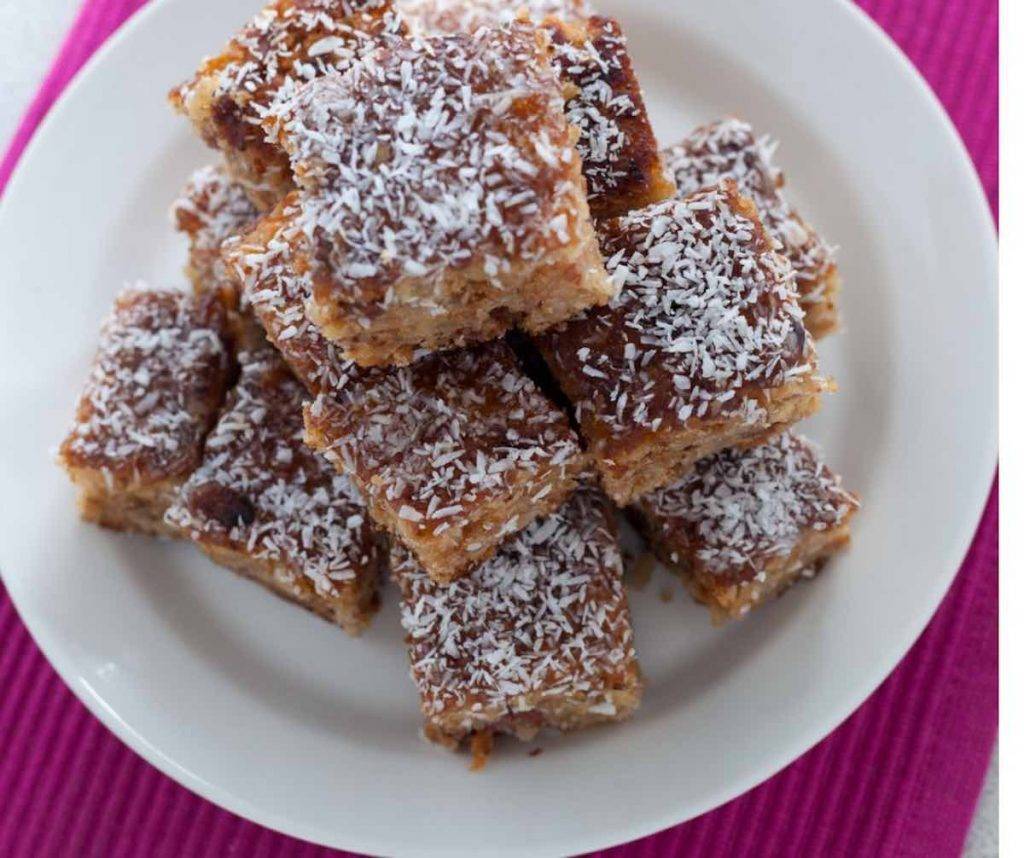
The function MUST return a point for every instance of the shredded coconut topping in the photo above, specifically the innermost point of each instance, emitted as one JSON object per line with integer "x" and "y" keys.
{"x": 608, "y": 109}
{"x": 270, "y": 265}
{"x": 467, "y": 16}
{"x": 155, "y": 384}
{"x": 546, "y": 616}
{"x": 616, "y": 142}
{"x": 728, "y": 149}
{"x": 433, "y": 154}
{"x": 448, "y": 434}
{"x": 277, "y": 286}
{"x": 706, "y": 318}
{"x": 261, "y": 490}
{"x": 740, "y": 508}
{"x": 212, "y": 208}
{"x": 286, "y": 44}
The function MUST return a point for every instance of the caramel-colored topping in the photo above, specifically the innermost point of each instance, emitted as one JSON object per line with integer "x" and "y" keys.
{"x": 728, "y": 149}
{"x": 261, "y": 490}
{"x": 706, "y": 318}
{"x": 432, "y": 155}
{"x": 620, "y": 155}
{"x": 155, "y": 385}
{"x": 212, "y": 207}
{"x": 286, "y": 44}
{"x": 447, "y": 434}
{"x": 546, "y": 617}
{"x": 621, "y": 162}
{"x": 740, "y": 509}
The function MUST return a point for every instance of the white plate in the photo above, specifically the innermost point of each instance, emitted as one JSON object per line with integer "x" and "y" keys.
{"x": 281, "y": 718}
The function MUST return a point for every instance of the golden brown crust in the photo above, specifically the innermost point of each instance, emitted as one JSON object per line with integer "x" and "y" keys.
{"x": 733, "y": 600}
{"x": 639, "y": 463}
{"x": 821, "y": 312}
{"x": 353, "y": 610}
{"x": 532, "y": 296}
{"x": 139, "y": 510}
{"x": 273, "y": 262}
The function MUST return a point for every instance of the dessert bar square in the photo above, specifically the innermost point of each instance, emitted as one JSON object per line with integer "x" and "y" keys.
{"x": 233, "y": 96}
{"x": 453, "y": 454}
{"x": 156, "y": 384}
{"x": 621, "y": 162}
{"x": 745, "y": 524}
{"x": 212, "y": 208}
{"x": 728, "y": 149}
{"x": 539, "y": 635}
{"x": 703, "y": 348}
{"x": 265, "y": 505}
{"x": 442, "y": 195}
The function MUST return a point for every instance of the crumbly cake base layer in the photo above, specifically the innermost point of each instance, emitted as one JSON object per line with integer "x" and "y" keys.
{"x": 821, "y": 305}
{"x": 661, "y": 458}
{"x": 261, "y": 168}
{"x": 532, "y": 296}
{"x": 133, "y": 510}
{"x": 352, "y": 609}
{"x": 528, "y": 714}
{"x": 732, "y": 600}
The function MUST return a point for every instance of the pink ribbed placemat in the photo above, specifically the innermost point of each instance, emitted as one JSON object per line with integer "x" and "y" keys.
{"x": 900, "y": 777}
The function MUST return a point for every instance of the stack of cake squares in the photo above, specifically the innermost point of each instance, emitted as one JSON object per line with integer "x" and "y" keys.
{"x": 451, "y": 307}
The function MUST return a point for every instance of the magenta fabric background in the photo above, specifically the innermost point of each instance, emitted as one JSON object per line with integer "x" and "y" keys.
{"x": 900, "y": 777}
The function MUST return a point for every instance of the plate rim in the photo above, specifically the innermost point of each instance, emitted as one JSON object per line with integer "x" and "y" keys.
{"x": 787, "y": 753}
